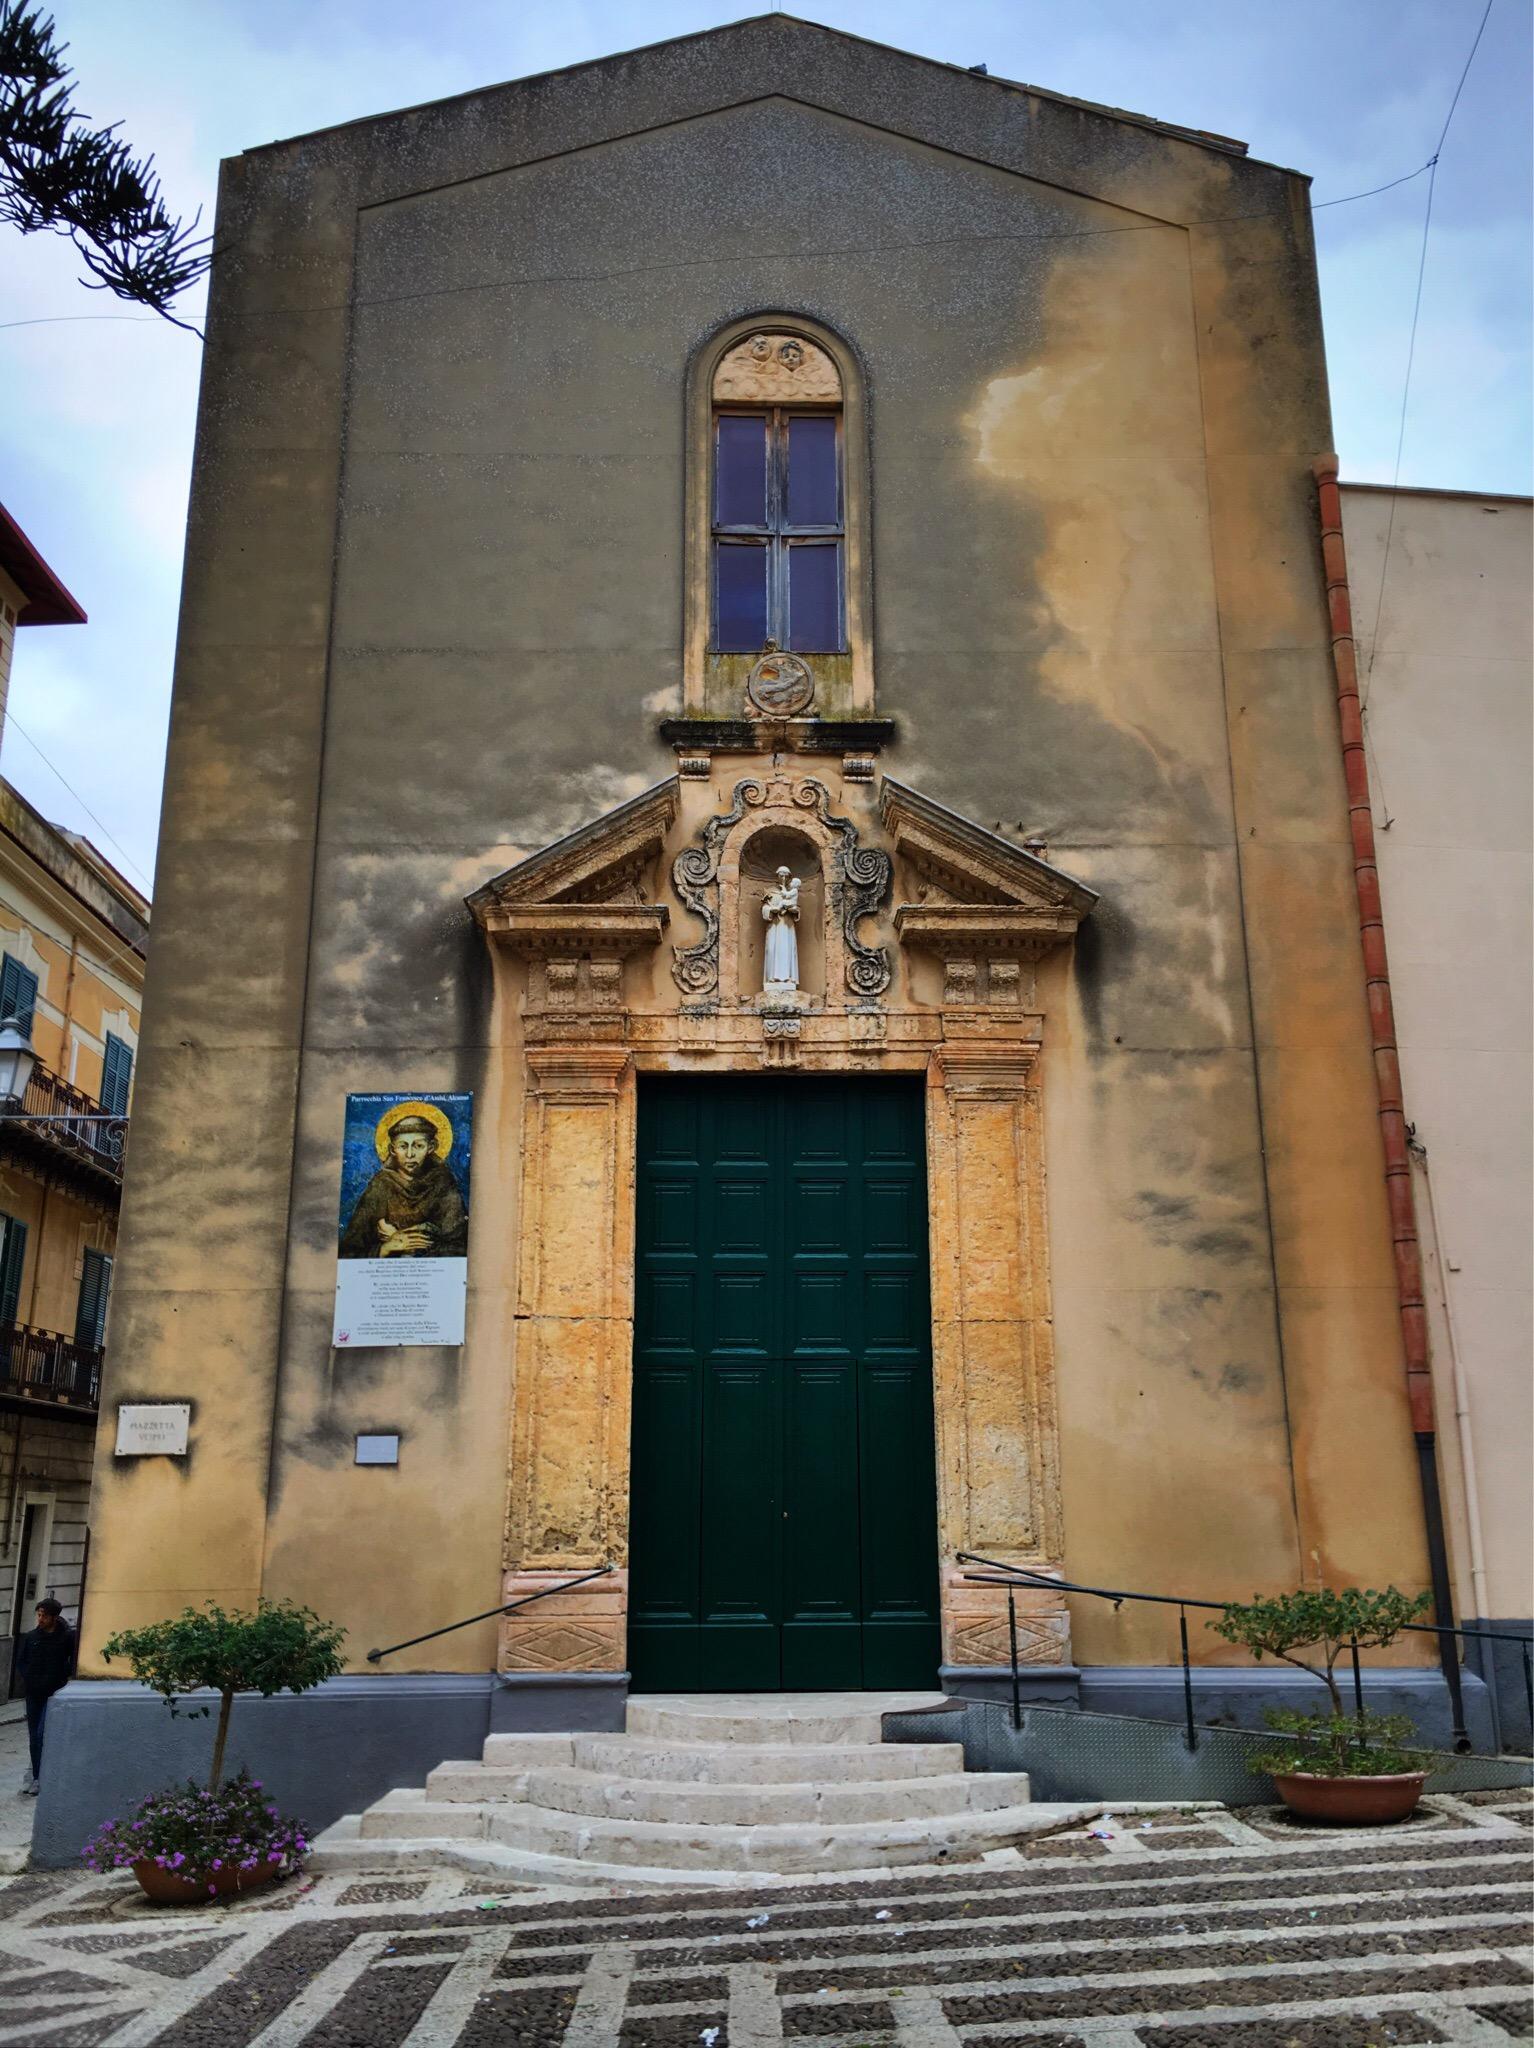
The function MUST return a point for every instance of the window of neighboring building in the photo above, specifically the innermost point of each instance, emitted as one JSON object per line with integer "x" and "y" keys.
{"x": 91, "y": 1315}
{"x": 18, "y": 993}
{"x": 116, "y": 1075}
{"x": 13, "y": 1256}
{"x": 779, "y": 531}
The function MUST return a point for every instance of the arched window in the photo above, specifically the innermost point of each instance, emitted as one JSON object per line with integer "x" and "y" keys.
{"x": 778, "y": 510}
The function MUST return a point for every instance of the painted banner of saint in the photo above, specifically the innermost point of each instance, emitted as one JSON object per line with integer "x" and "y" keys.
{"x": 404, "y": 1213}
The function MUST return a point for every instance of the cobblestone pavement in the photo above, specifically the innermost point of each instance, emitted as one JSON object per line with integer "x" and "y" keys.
{"x": 1149, "y": 1929}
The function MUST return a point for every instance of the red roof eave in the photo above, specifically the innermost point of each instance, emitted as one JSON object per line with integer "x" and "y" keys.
{"x": 48, "y": 603}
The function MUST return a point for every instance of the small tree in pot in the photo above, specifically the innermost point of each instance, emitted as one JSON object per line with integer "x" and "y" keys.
{"x": 1351, "y": 1769}
{"x": 198, "y": 1841}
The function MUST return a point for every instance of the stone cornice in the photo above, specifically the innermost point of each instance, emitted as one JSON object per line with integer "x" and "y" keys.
{"x": 608, "y": 930}
{"x": 959, "y": 930}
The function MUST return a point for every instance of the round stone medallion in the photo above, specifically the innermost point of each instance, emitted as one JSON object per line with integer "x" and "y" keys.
{"x": 780, "y": 684}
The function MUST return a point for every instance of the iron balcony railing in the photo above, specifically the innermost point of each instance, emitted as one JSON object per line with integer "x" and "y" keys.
{"x": 71, "y": 1120}
{"x": 45, "y": 1365}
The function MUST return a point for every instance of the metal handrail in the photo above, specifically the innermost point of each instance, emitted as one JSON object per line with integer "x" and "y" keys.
{"x": 1019, "y": 1575}
{"x": 511, "y": 1606}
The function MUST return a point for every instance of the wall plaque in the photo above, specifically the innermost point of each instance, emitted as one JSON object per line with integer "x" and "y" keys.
{"x": 153, "y": 1430}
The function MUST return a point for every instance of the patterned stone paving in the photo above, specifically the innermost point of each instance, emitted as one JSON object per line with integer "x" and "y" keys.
{"x": 1168, "y": 1928}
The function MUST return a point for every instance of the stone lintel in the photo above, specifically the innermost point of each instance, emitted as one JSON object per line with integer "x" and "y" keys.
{"x": 986, "y": 1066}
{"x": 576, "y": 1069}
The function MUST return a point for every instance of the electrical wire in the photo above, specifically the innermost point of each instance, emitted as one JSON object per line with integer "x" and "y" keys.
{"x": 772, "y": 256}
{"x": 15, "y": 724}
{"x": 1411, "y": 356}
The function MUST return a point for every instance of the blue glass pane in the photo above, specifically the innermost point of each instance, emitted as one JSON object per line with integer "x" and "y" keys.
{"x": 812, "y": 493}
{"x": 740, "y": 586}
{"x": 740, "y": 472}
{"x": 814, "y": 598}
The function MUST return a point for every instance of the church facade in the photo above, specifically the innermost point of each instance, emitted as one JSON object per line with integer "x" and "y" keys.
{"x": 762, "y": 452}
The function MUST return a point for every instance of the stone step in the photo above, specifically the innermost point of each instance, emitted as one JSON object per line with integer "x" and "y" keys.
{"x": 771, "y": 1718}
{"x": 780, "y": 1848}
{"x": 408, "y": 1815}
{"x": 760, "y": 1763}
{"x": 613, "y": 1796}
{"x": 519, "y": 1752}
{"x": 476, "y": 1783}
{"x": 342, "y": 1848}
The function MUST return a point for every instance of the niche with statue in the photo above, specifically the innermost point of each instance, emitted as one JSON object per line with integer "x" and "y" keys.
{"x": 781, "y": 911}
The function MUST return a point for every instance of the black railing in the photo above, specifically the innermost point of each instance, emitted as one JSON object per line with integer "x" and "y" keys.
{"x": 45, "y": 1365}
{"x": 490, "y": 1613}
{"x": 70, "y": 1119}
{"x": 1016, "y": 1577}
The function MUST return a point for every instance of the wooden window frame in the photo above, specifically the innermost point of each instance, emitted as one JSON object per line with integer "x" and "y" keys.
{"x": 778, "y": 536}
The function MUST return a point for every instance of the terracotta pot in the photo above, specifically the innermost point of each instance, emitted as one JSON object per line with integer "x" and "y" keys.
{"x": 170, "y": 1888}
{"x": 1351, "y": 1802}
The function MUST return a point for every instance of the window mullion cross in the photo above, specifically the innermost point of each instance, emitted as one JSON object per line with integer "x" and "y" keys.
{"x": 777, "y": 519}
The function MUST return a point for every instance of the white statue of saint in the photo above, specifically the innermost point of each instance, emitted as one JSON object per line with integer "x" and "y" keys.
{"x": 780, "y": 912}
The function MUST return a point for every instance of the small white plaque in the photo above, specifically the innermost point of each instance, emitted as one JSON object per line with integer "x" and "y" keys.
{"x": 157, "y": 1431}
{"x": 378, "y": 1450}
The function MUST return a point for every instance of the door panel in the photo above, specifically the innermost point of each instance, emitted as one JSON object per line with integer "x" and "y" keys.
{"x": 783, "y": 1524}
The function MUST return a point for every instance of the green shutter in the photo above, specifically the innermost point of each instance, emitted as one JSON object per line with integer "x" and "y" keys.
{"x": 18, "y": 993}
{"x": 91, "y": 1314}
{"x": 116, "y": 1075}
{"x": 13, "y": 1254}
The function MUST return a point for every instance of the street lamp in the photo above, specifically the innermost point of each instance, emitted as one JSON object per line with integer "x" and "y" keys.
{"x": 101, "y": 1133}
{"x": 17, "y": 1059}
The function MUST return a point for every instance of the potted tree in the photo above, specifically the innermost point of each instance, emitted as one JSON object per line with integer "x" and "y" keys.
{"x": 195, "y": 1842}
{"x": 1350, "y": 1769}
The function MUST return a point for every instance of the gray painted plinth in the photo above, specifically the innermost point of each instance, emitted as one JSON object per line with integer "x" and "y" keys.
{"x": 320, "y": 1754}
{"x": 1239, "y": 1698}
{"x": 550, "y": 1702}
{"x": 1043, "y": 1685}
{"x": 1502, "y": 1667}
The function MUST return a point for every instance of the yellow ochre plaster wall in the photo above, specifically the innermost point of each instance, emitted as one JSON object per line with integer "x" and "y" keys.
{"x": 434, "y": 612}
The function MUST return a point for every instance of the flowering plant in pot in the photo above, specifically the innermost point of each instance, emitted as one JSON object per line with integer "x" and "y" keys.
{"x": 195, "y": 1842}
{"x": 1350, "y": 1769}
{"x": 192, "y": 1843}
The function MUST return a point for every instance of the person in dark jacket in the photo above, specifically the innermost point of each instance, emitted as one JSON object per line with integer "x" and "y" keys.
{"x": 44, "y": 1665}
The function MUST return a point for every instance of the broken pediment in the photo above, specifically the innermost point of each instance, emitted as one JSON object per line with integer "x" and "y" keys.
{"x": 590, "y": 892}
{"x": 980, "y": 896}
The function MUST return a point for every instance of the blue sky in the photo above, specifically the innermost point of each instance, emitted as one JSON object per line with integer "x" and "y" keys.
{"x": 96, "y": 428}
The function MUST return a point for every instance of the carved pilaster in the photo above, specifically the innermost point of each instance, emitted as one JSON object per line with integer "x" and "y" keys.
{"x": 570, "y": 1405}
{"x": 993, "y": 1352}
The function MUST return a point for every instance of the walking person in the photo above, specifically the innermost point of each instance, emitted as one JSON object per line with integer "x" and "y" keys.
{"x": 45, "y": 1665}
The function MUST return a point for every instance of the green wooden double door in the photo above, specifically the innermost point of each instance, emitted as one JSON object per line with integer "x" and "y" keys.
{"x": 783, "y": 1520}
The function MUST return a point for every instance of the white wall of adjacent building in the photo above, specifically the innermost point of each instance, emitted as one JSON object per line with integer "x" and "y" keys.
{"x": 1448, "y": 683}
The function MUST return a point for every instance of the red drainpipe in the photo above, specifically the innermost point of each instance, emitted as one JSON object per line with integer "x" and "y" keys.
{"x": 1387, "y": 1068}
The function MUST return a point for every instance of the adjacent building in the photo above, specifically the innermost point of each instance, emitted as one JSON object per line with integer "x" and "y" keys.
{"x": 72, "y": 939}
{"x": 755, "y": 711}
{"x": 1442, "y": 588}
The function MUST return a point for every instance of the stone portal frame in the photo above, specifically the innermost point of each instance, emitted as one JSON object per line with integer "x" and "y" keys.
{"x": 581, "y": 1059}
